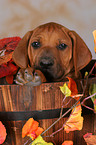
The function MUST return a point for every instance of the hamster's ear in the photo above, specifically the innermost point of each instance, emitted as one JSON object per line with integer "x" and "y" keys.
{"x": 81, "y": 54}
{"x": 20, "y": 54}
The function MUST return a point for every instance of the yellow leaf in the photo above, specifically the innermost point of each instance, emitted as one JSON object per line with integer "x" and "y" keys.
{"x": 75, "y": 122}
{"x": 94, "y": 35}
{"x": 86, "y": 74}
{"x": 39, "y": 140}
{"x": 65, "y": 90}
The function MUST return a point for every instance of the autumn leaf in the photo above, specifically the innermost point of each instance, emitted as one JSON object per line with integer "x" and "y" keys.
{"x": 73, "y": 87}
{"x": 86, "y": 74}
{"x": 9, "y": 43}
{"x": 92, "y": 90}
{"x": 31, "y": 129}
{"x": 5, "y": 58}
{"x": 94, "y": 35}
{"x": 7, "y": 67}
{"x": 67, "y": 142}
{"x": 26, "y": 127}
{"x": 39, "y": 140}
{"x": 2, "y": 133}
{"x": 75, "y": 121}
{"x": 65, "y": 90}
{"x": 90, "y": 139}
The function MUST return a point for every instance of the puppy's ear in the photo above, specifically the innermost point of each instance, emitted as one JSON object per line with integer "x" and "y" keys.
{"x": 81, "y": 54}
{"x": 20, "y": 54}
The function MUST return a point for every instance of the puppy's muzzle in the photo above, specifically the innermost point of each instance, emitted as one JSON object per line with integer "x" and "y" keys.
{"x": 46, "y": 62}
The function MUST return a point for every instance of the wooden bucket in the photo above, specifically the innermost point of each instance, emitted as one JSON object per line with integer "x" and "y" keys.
{"x": 43, "y": 103}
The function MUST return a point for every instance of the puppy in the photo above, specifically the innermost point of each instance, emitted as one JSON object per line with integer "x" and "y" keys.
{"x": 54, "y": 50}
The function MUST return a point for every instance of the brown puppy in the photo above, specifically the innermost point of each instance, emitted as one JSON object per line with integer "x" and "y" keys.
{"x": 55, "y": 50}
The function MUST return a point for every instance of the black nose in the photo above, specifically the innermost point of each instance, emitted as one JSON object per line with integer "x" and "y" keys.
{"x": 46, "y": 62}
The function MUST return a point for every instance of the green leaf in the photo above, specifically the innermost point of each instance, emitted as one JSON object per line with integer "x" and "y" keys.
{"x": 39, "y": 141}
{"x": 92, "y": 90}
{"x": 65, "y": 90}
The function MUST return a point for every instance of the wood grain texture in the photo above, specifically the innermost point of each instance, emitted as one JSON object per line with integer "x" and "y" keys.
{"x": 14, "y": 98}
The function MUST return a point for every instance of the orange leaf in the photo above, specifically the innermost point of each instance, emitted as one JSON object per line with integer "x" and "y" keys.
{"x": 67, "y": 142}
{"x": 31, "y": 129}
{"x": 39, "y": 131}
{"x": 73, "y": 87}
{"x": 34, "y": 126}
{"x": 2, "y": 133}
{"x": 26, "y": 128}
{"x": 94, "y": 35}
{"x": 75, "y": 122}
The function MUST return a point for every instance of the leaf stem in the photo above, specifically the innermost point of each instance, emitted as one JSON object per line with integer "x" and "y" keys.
{"x": 62, "y": 116}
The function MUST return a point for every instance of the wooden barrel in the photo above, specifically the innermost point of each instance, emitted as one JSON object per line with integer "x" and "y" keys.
{"x": 43, "y": 103}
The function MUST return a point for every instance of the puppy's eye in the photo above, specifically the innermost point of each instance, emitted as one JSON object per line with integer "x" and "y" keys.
{"x": 62, "y": 46}
{"x": 35, "y": 45}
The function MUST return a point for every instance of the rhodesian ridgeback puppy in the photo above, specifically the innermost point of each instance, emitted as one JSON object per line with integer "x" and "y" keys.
{"x": 54, "y": 50}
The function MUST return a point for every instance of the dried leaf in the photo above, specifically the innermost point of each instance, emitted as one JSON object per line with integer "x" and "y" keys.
{"x": 75, "y": 121}
{"x": 8, "y": 69}
{"x": 2, "y": 52}
{"x": 2, "y": 133}
{"x": 92, "y": 90}
{"x": 39, "y": 140}
{"x": 7, "y": 46}
{"x": 65, "y": 90}
{"x": 73, "y": 87}
{"x": 86, "y": 74}
{"x": 31, "y": 129}
{"x": 39, "y": 131}
{"x": 5, "y": 58}
{"x": 94, "y": 35}
{"x": 26, "y": 127}
{"x": 67, "y": 142}
{"x": 34, "y": 127}
{"x": 90, "y": 139}
{"x": 9, "y": 41}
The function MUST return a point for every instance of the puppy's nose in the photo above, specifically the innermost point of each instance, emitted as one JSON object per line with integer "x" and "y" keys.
{"x": 46, "y": 62}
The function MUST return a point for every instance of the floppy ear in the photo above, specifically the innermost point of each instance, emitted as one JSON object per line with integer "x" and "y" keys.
{"x": 81, "y": 54}
{"x": 20, "y": 54}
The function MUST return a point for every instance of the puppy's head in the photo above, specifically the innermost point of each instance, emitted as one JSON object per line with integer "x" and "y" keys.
{"x": 53, "y": 49}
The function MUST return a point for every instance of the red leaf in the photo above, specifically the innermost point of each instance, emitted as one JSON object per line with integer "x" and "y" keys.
{"x": 2, "y": 133}
{"x": 73, "y": 87}
{"x": 6, "y": 65}
{"x": 7, "y": 41}
{"x": 7, "y": 69}
{"x": 9, "y": 79}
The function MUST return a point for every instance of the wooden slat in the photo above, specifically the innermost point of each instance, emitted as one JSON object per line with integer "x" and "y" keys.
{"x": 46, "y": 96}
